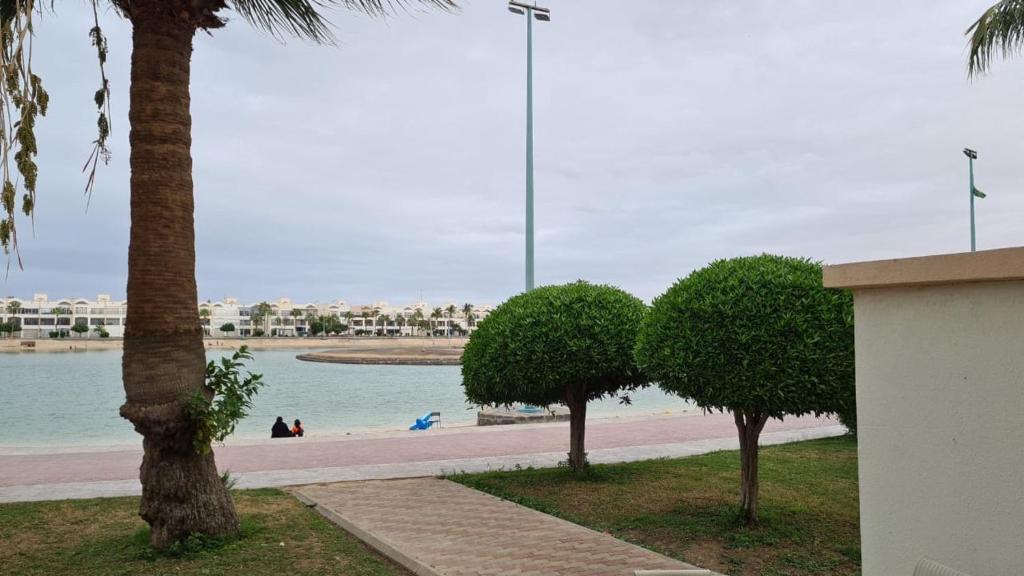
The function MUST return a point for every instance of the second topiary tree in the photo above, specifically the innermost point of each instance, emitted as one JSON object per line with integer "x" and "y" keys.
{"x": 558, "y": 344}
{"x": 758, "y": 336}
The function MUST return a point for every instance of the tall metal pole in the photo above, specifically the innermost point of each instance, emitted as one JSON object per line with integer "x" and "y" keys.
{"x": 971, "y": 193}
{"x": 529, "y": 149}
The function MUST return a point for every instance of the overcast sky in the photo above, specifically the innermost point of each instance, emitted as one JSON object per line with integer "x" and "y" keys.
{"x": 668, "y": 134}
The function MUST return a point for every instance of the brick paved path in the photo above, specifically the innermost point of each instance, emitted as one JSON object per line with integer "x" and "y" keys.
{"x": 404, "y": 447}
{"x": 439, "y": 528}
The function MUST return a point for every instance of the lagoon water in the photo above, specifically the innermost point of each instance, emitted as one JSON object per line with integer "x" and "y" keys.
{"x": 69, "y": 399}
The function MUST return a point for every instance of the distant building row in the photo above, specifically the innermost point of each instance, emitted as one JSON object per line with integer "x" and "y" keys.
{"x": 40, "y": 317}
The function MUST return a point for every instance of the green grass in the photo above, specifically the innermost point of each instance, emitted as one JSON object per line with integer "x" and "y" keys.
{"x": 688, "y": 508}
{"x": 279, "y": 536}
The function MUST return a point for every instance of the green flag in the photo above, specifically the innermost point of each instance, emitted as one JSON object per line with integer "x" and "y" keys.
{"x": 978, "y": 192}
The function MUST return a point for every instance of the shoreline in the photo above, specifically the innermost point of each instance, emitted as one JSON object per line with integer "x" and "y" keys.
{"x": 394, "y": 455}
{"x": 342, "y": 434}
{"x": 46, "y": 345}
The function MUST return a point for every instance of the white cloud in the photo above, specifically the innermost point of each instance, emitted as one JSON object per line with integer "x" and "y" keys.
{"x": 668, "y": 135}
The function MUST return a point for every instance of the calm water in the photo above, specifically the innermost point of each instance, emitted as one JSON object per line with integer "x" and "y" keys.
{"x": 71, "y": 399}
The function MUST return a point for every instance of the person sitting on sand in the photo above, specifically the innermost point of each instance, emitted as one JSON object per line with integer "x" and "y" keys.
{"x": 280, "y": 429}
{"x": 297, "y": 429}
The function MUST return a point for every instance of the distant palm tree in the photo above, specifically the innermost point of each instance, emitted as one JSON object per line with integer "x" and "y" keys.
{"x": 417, "y": 318}
{"x": 998, "y": 32}
{"x": 311, "y": 319}
{"x": 450, "y": 310}
{"x": 435, "y": 315}
{"x": 261, "y": 315}
{"x": 13, "y": 307}
{"x": 57, "y": 313}
{"x": 204, "y": 314}
{"x": 467, "y": 313}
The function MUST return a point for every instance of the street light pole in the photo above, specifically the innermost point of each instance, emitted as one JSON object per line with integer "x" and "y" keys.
{"x": 974, "y": 242}
{"x": 973, "y": 192}
{"x": 529, "y": 150}
{"x": 544, "y": 15}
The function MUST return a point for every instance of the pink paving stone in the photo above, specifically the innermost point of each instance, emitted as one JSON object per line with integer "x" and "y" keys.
{"x": 307, "y": 453}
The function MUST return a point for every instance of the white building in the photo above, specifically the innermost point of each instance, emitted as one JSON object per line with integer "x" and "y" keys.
{"x": 39, "y": 317}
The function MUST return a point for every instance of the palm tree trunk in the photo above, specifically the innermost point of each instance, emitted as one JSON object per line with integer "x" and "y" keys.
{"x": 163, "y": 359}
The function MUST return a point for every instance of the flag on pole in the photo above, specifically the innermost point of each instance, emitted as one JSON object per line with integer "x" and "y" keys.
{"x": 978, "y": 193}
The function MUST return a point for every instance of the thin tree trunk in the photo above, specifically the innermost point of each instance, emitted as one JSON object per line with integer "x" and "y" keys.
{"x": 164, "y": 361}
{"x": 577, "y": 402}
{"x": 749, "y": 426}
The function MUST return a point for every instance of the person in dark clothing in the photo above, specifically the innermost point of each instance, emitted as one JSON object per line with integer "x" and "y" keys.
{"x": 280, "y": 429}
{"x": 297, "y": 429}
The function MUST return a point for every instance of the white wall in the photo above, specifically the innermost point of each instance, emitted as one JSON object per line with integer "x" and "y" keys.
{"x": 940, "y": 397}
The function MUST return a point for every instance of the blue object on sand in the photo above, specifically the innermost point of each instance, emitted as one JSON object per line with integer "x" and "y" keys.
{"x": 423, "y": 422}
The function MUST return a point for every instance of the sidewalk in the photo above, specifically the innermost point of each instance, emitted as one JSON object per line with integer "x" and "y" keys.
{"x": 439, "y": 528}
{"x": 407, "y": 454}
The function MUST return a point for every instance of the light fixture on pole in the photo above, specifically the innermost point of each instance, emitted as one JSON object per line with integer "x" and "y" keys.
{"x": 544, "y": 15}
{"x": 974, "y": 193}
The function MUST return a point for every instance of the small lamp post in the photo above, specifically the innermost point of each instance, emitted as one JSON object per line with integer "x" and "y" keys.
{"x": 974, "y": 193}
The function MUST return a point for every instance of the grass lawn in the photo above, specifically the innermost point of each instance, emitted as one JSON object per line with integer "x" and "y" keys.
{"x": 687, "y": 508}
{"x": 280, "y": 536}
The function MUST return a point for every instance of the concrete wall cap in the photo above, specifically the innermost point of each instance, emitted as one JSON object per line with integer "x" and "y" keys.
{"x": 987, "y": 266}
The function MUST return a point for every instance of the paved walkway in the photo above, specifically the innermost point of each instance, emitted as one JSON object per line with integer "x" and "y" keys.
{"x": 395, "y": 455}
{"x": 439, "y": 528}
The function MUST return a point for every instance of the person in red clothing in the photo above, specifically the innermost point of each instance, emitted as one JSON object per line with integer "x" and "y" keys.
{"x": 297, "y": 428}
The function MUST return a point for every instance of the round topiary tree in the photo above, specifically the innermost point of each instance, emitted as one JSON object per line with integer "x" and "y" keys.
{"x": 565, "y": 344}
{"x": 758, "y": 336}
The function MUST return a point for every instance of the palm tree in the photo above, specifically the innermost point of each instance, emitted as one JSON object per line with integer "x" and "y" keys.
{"x": 998, "y": 32}
{"x": 417, "y": 319}
{"x": 376, "y": 318}
{"x": 163, "y": 360}
{"x": 467, "y": 313}
{"x": 57, "y": 312}
{"x": 204, "y": 318}
{"x": 311, "y": 319}
{"x": 435, "y": 315}
{"x": 450, "y": 310}
{"x": 261, "y": 314}
{"x": 13, "y": 307}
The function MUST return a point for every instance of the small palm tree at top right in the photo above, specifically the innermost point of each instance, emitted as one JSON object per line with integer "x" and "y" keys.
{"x": 998, "y": 32}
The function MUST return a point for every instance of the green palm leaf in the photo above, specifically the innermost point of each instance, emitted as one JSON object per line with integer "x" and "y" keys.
{"x": 999, "y": 32}
{"x": 306, "y": 19}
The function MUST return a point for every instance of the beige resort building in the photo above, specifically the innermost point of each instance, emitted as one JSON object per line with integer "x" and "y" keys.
{"x": 39, "y": 317}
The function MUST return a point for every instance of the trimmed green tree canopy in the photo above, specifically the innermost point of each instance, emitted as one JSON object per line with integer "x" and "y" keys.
{"x": 757, "y": 334}
{"x": 540, "y": 344}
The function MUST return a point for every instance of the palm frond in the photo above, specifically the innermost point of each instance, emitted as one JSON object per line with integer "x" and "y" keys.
{"x": 307, "y": 19}
{"x": 999, "y": 32}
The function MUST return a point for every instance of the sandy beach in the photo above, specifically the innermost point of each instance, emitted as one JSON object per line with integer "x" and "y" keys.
{"x": 419, "y": 355}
